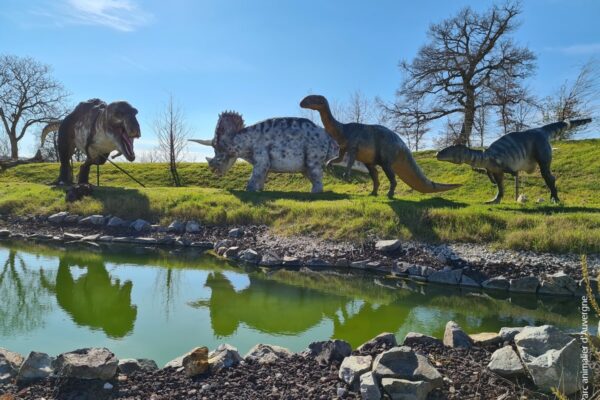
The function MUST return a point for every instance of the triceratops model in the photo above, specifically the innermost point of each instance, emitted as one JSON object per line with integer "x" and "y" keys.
{"x": 96, "y": 129}
{"x": 276, "y": 144}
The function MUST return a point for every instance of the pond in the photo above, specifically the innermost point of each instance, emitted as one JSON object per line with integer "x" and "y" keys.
{"x": 158, "y": 304}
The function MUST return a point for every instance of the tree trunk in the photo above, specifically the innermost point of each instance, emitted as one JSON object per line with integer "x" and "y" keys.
{"x": 14, "y": 147}
{"x": 469, "y": 119}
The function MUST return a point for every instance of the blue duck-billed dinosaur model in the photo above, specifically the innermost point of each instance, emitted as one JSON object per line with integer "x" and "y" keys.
{"x": 514, "y": 152}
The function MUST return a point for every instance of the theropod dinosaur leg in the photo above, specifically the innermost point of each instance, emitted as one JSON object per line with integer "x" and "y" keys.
{"x": 375, "y": 177}
{"x": 550, "y": 182}
{"x": 391, "y": 175}
{"x": 499, "y": 178}
{"x": 351, "y": 159}
{"x": 84, "y": 172}
{"x": 491, "y": 176}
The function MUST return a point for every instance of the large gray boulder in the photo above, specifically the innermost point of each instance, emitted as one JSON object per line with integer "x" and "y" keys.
{"x": 192, "y": 227}
{"x": 353, "y": 367}
{"x": 415, "y": 338}
{"x": 95, "y": 220}
{"x": 58, "y": 217}
{"x": 558, "y": 284}
{"x": 176, "y": 227}
{"x": 551, "y": 358}
{"x": 402, "y": 363}
{"x": 506, "y": 362}
{"x": 497, "y": 283}
{"x": 10, "y": 362}
{"x": 36, "y": 366}
{"x": 388, "y": 246}
{"x": 249, "y": 256}
{"x": 527, "y": 284}
{"x": 403, "y": 389}
{"x": 386, "y": 339}
{"x": 140, "y": 225}
{"x": 89, "y": 363}
{"x": 446, "y": 276}
{"x": 267, "y": 353}
{"x": 454, "y": 336}
{"x": 130, "y": 365}
{"x": 115, "y": 222}
{"x": 224, "y": 356}
{"x": 330, "y": 350}
{"x": 369, "y": 389}
{"x": 508, "y": 334}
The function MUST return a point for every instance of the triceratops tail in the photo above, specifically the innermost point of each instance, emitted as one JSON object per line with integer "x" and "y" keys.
{"x": 50, "y": 127}
{"x": 409, "y": 171}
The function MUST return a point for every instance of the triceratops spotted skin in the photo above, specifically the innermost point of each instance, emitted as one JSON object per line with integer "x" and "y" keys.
{"x": 274, "y": 145}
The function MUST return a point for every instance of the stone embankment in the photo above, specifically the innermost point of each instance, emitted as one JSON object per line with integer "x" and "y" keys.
{"x": 469, "y": 266}
{"x": 509, "y": 364}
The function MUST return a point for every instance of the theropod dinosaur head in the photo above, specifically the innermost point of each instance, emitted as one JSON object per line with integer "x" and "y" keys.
{"x": 122, "y": 126}
{"x": 456, "y": 154}
{"x": 228, "y": 125}
{"x": 314, "y": 102}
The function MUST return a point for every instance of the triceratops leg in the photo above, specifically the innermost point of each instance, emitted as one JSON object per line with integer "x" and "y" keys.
{"x": 315, "y": 175}
{"x": 259, "y": 174}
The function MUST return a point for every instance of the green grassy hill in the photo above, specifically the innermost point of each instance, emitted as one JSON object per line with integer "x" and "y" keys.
{"x": 345, "y": 211}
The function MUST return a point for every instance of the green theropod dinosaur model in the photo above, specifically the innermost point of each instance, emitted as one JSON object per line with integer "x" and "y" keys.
{"x": 374, "y": 145}
{"x": 514, "y": 152}
{"x": 96, "y": 129}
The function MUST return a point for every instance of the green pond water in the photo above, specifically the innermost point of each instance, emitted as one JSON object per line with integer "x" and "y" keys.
{"x": 158, "y": 304}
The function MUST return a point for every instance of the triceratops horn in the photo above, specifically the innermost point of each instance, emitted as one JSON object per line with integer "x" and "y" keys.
{"x": 205, "y": 142}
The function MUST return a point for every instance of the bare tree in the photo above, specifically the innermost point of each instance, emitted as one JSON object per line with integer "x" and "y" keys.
{"x": 450, "y": 135}
{"x": 574, "y": 100}
{"x": 28, "y": 96}
{"x": 465, "y": 57}
{"x": 411, "y": 124}
{"x": 172, "y": 132}
{"x": 480, "y": 123}
{"x": 150, "y": 156}
{"x": 359, "y": 109}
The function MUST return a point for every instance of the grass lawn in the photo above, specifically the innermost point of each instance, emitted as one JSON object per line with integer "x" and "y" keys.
{"x": 345, "y": 210}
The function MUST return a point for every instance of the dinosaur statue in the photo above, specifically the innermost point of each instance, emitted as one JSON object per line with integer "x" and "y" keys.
{"x": 513, "y": 152}
{"x": 96, "y": 129}
{"x": 277, "y": 144}
{"x": 374, "y": 145}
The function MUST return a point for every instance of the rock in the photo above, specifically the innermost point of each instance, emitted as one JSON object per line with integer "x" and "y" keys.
{"x": 369, "y": 389}
{"x": 115, "y": 222}
{"x": 498, "y": 283}
{"x": 420, "y": 270}
{"x": 485, "y": 338}
{"x": 558, "y": 283}
{"x": 176, "y": 227}
{"x": 250, "y": 256}
{"x": 71, "y": 219}
{"x": 522, "y": 199}
{"x": 106, "y": 238}
{"x": 203, "y": 245}
{"x": 505, "y": 362}
{"x": 414, "y": 338}
{"x": 175, "y": 363}
{"x": 195, "y": 362}
{"x": 231, "y": 252}
{"x": 360, "y": 264}
{"x": 402, "y": 389}
{"x": 10, "y": 362}
{"x": 223, "y": 243}
{"x": 72, "y": 236}
{"x": 508, "y": 334}
{"x": 4, "y": 233}
{"x": 388, "y": 246}
{"x": 107, "y": 386}
{"x": 403, "y": 363}
{"x": 95, "y": 220}
{"x": 353, "y": 367}
{"x": 145, "y": 240}
{"x": 317, "y": 263}
{"x": 466, "y": 280}
{"x": 267, "y": 353}
{"x": 139, "y": 225}
{"x": 549, "y": 356}
{"x": 89, "y": 363}
{"x": 454, "y": 336}
{"x": 36, "y": 366}
{"x": 330, "y": 350}
{"x": 225, "y": 356}
{"x": 90, "y": 238}
{"x": 129, "y": 365}
{"x": 270, "y": 259}
{"x": 387, "y": 340}
{"x": 447, "y": 277}
{"x": 290, "y": 261}
{"x": 341, "y": 392}
{"x": 235, "y": 233}
{"x": 528, "y": 284}
{"x": 192, "y": 227}
{"x": 58, "y": 217}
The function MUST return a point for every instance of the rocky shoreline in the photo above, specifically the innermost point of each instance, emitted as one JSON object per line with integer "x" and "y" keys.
{"x": 465, "y": 265}
{"x": 514, "y": 363}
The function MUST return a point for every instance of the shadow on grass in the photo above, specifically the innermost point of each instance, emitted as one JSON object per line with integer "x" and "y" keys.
{"x": 257, "y": 198}
{"x": 556, "y": 209}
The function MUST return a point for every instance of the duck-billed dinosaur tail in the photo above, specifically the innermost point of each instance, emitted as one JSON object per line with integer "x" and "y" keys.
{"x": 409, "y": 171}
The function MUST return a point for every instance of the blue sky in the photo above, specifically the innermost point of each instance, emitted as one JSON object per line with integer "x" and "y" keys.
{"x": 260, "y": 57}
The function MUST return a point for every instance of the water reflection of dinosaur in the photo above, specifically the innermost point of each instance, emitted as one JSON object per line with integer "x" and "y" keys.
{"x": 266, "y": 305}
{"x": 93, "y": 299}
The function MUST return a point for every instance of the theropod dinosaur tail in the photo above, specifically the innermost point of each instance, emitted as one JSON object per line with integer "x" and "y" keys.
{"x": 409, "y": 171}
{"x": 555, "y": 127}
{"x": 50, "y": 127}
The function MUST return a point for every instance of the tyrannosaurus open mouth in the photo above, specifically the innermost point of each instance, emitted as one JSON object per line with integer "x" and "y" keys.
{"x": 126, "y": 144}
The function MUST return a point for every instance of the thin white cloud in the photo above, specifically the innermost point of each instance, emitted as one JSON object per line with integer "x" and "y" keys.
{"x": 120, "y": 15}
{"x": 578, "y": 49}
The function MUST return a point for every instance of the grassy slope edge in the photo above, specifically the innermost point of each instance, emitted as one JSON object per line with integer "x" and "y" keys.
{"x": 345, "y": 211}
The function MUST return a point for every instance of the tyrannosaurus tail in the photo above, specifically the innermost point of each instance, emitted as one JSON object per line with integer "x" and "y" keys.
{"x": 50, "y": 127}
{"x": 409, "y": 171}
{"x": 552, "y": 129}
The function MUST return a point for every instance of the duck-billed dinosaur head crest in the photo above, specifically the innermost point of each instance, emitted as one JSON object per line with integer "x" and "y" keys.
{"x": 455, "y": 154}
{"x": 314, "y": 102}
{"x": 122, "y": 126}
